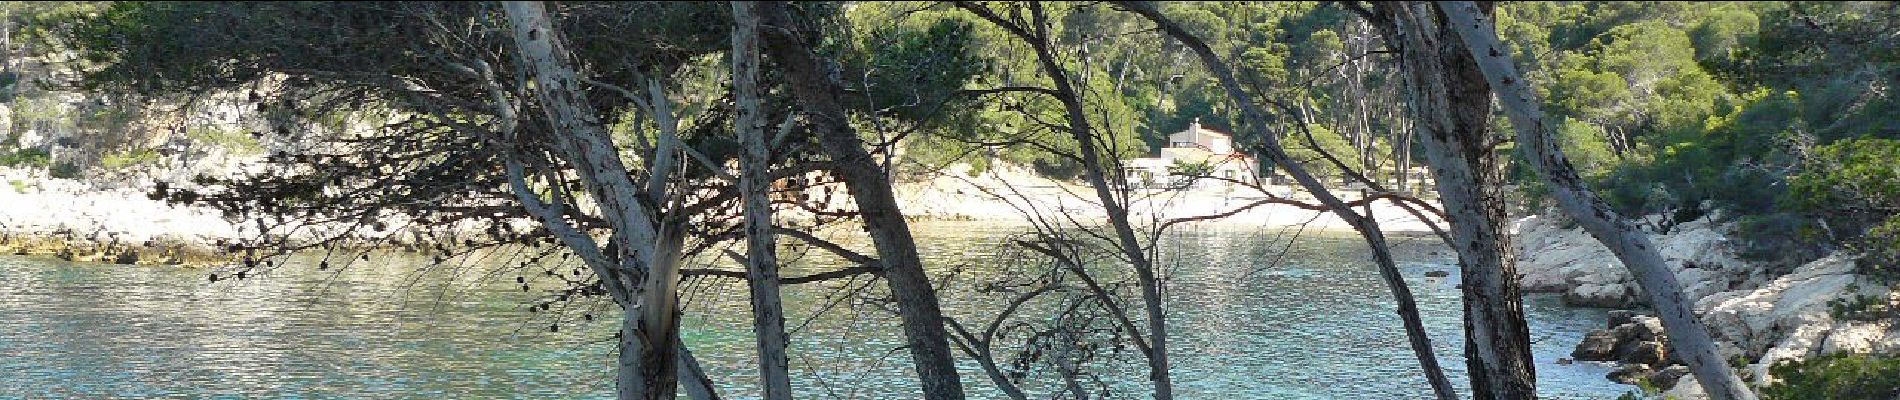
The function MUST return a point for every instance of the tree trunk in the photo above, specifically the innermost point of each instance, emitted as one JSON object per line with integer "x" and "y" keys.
{"x": 1403, "y": 147}
{"x": 658, "y": 325}
{"x": 768, "y": 316}
{"x": 1536, "y": 140}
{"x": 817, "y": 93}
{"x": 693, "y": 379}
{"x": 1453, "y": 105}
{"x": 1257, "y": 125}
{"x": 647, "y": 258}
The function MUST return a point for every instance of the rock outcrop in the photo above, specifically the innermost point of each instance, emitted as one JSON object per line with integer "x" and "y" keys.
{"x": 1757, "y": 316}
{"x": 75, "y": 221}
{"x": 1557, "y": 259}
{"x": 1792, "y": 318}
{"x": 1636, "y": 341}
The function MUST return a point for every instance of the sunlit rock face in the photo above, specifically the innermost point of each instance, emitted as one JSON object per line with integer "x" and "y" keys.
{"x": 1792, "y": 317}
{"x": 1752, "y": 313}
{"x": 1559, "y": 259}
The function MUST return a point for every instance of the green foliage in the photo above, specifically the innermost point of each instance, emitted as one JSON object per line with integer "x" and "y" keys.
{"x": 1670, "y": 108}
{"x": 1864, "y": 308}
{"x": 64, "y": 170}
{"x": 237, "y": 142}
{"x": 1838, "y": 377}
{"x": 1328, "y": 142}
{"x": 1588, "y": 94}
{"x": 1185, "y": 168}
{"x": 1880, "y": 248}
{"x": 1587, "y": 148}
{"x": 1855, "y": 185}
{"x": 911, "y": 54}
{"x": 1725, "y": 32}
{"x": 36, "y": 158}
{"x": 913, "y": 72}
{"x": 1664, "y": 107}
{"x": 1784, "y": 240}
{"x": 122, "y": 161}
{"x": 1644, "y": 390}
{"x": 1858, "y": 175}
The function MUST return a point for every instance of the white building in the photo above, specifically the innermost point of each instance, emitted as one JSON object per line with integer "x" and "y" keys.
{"x": 1197, "y": 152}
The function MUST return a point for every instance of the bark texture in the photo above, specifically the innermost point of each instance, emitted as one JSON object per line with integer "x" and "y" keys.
{"x": 1536, "y": 139}
{"x": 644, "y": 258}
{"x": 1453, "y": 104}
{"x": 768, "y": 314}
{"x": 817, "y": 91}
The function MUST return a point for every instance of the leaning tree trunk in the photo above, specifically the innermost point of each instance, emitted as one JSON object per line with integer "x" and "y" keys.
{"x": 1536, "y": 140}
{"x": 817, "y": 93}
{"x": 1453, "y": 105}
{"x": 1257, "y": 123}
{"x": 693, "y": 380}
{"x": 646, "y": 259}
{"x": 768, "y": 315}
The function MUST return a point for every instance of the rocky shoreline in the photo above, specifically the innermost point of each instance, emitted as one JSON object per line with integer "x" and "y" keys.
{"x": 1757, "y": 316}
{"x": 81, "y": 221}
{"x": 78, "y": 222}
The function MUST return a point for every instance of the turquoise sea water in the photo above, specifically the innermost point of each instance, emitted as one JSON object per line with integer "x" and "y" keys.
{"x": 1252, "y": 319}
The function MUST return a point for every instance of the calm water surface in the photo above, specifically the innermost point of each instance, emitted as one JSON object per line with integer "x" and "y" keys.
{"x": 1249, "y": 323}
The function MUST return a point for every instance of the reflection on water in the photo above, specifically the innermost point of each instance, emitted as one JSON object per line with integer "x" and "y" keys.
{"x": 1316, "y": 324}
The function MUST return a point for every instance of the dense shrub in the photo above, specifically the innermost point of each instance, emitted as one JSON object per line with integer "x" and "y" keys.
{"x": 1854, "y": 186}
{"x": 26, "y": 158}
{"x": 1836, "y": 377}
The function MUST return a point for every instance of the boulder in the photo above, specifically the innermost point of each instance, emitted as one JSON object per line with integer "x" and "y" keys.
{"x": 1630, "y": 374}
{"x": 1890, "y": 345}
{"x": 1667, "y": 377}
{"x": 1646, "y": 353}
{"x": 1620, "y": 317}
{"x": 1635, "y": 339}
{"x": 1756, "y": 320}
{"x": 1601, "y": 295}
{"x": 1855, "y": 337}
{"x": 1641, "y": 328}
{"x": 1598, "y": 345}
{"x": 1564, "y": 260}
{"x": 1641, "y": 341}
